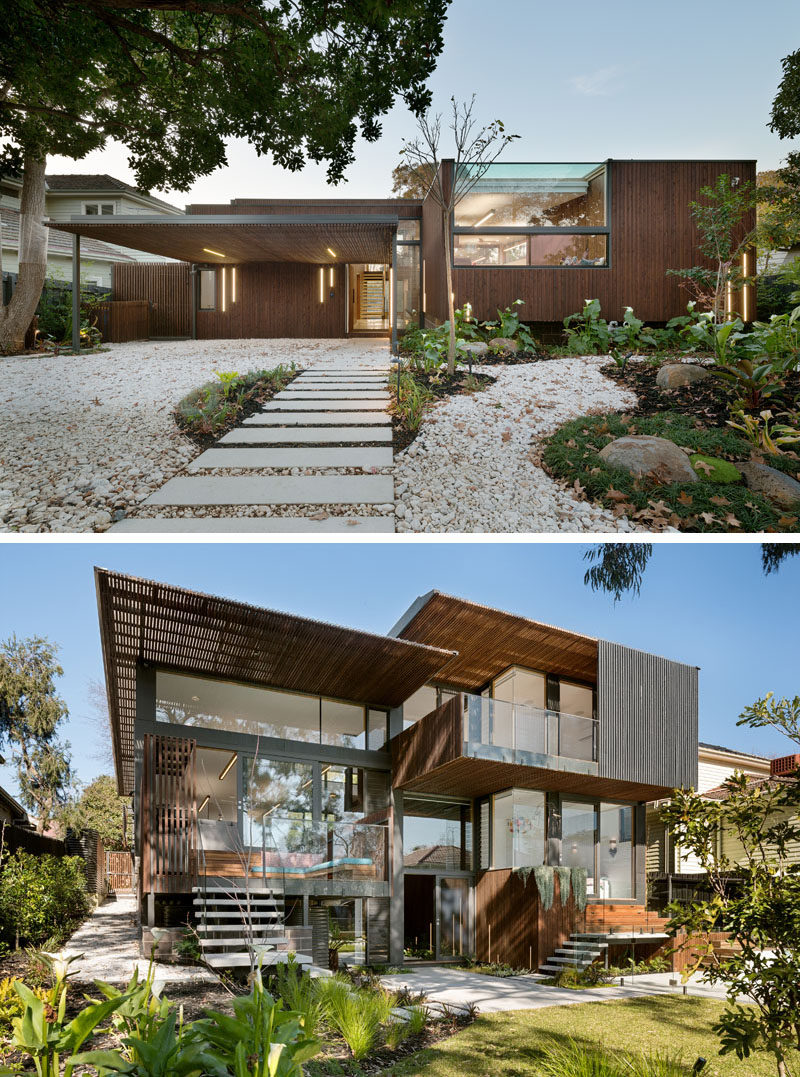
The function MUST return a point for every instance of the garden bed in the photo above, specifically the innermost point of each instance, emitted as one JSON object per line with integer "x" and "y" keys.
{"x": 428, "y": 389}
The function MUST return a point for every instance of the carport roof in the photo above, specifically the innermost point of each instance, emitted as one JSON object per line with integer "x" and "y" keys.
{"x": 236, "y": 238}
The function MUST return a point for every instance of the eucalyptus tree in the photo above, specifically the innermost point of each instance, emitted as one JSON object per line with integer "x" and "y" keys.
{"x": 174, "y": 80}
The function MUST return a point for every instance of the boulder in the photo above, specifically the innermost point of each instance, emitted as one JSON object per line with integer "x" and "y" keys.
{"x": 476, "y": 347}
{"x": 503, "y": 344}
{"x": 674, "y": 375}
{"x": 657, "y": 458}
{"x": 776, "y": 486}
{"x": 713, "y": 469}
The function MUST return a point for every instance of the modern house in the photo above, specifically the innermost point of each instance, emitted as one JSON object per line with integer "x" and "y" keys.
{"x": 549, "y": 234}
{"x": 291, "y": 777}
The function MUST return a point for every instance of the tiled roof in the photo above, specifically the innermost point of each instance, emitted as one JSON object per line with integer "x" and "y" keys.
{"x": 732, "y": 751}
{"x": 719, "y": 792}
{"x": 433, "y": 856}
{"x": 60, "y": 242}
{"x": 82, "y": 182}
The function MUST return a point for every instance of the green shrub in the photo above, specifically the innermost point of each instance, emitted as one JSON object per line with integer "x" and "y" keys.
{"x": 42, "y": 898}
{"x": 414, "y": 400}
{"x": 575, "y": 1060}
{"x": 208, "y": 409}
{"x": 358, "y": 1017}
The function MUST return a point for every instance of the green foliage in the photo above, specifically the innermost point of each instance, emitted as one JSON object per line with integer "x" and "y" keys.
{"x": 297, "y": 991}
{"x": 138, "y": 1014}
{"x": 31, "y": 712}
{"x": 499, "y": 969}
{"x": 358, "y": 1016}
{"x": 413, "y": 401}
{"x": 207, "y": 410}
{"x": 41, "y": 897}
{"x": 99, "y": 807}
{"x": 762, "y": 433}
{"x": 55, "y": 309}
{"x": 761, "y": 914}
{"x": 572, "y": 1059}
{"x": 508, "y": 325}
{"x": 588, "y": 333}
{"x": 619, "y": 568}
{"x": 579, "y": 887}
{"x": 428, "y": 348}
{"x": 564, "y": 876}
{"x": 168, "y": 1052}
{"x": 711, "y": 469}
{"x": 545, "y": 884}
{"x": 571, "y": 454}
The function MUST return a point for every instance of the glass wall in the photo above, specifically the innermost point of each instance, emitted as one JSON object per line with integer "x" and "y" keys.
{"x": 615, "y": 851}
{"x": 437, "y": 833}
{"x": 278, "y": 802}
{"x": 518, "y": 831}
{"x": 537, "y": 195}
{"x": 535, "y": 250}
{"x": 265, "y": 712}
{"x": 423, "y": 702}
{"x": 578, "y": 832}
{"x": 490, "y": 250}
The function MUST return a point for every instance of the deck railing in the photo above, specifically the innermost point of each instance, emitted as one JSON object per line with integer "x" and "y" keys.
{"x": 326, "y": 849}
{"x": 530, "y": 736}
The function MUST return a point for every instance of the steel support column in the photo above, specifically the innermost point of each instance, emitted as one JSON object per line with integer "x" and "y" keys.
{"x": 76, "y": 292}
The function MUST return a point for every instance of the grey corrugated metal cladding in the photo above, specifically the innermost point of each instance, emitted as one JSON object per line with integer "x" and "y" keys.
{"x": 647, "y": 710}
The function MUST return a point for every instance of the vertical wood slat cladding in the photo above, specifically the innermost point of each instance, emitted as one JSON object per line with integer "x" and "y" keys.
{"x": 168, "y": 815}
{"x": 435, "y": 285}
{"x": 166, "y": 286}
{"x": 647, "y": 708}
{"x": 522, "y": 932}
{"x": 119, "y": 870}
{"x": 122, "y": 320}
{"x": 406, "y": 208}
{"x": 430, "y": 743}
{"x": 651, "y": 231}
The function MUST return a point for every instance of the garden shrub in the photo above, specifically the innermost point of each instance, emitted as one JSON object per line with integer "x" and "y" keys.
{"x": 42, "y": 898}
{"x": 571, "y": 454}
{"x": 209, "y": 408}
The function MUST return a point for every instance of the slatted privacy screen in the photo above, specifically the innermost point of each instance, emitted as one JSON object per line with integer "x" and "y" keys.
{"x": 169, "y": 816}
{"x": 119, "y": 870}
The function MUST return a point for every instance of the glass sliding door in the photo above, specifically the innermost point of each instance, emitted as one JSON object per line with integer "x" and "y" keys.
{"x": 455, "y": 927}
{"x": 578, "y": 836}
{"x": 615, "y": 851}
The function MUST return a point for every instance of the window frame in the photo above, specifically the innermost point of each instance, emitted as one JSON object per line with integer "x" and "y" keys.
{"x": 200, "y": 271}
{"x": 98, "y": 209}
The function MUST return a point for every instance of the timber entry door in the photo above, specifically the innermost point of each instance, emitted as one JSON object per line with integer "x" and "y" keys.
{"x": 169, "y": 815}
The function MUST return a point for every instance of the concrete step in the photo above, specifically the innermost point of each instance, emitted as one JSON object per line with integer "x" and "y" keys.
{"x": 260, "y": 907}
{"x": 300, "y": 457}
{"x": 209, "y": 931}
{"x": 314, "y": 393}
{"x": 306, "y": 384}
{"x": 283, "y": 525}
{"x": 196, "y": 490}
{"x": 550, "y": 970}
{"x": 578, "y": 955}
{"x": 314, "y": 418}
{"x": 324, "y": 405}
{"x": 579, "y": 963}
{"x": 305, "y": 435}
{"x": 236, "y": 893}
{"x": 242, "y": 940}
{"x": 242, "y": 960}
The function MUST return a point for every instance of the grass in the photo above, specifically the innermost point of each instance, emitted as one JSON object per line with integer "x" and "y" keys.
{"x": 514, "y": 1044}
{"x": 570, "y": 454}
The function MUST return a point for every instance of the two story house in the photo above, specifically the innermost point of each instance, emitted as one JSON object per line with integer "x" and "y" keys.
{"x": 293, "y": 778}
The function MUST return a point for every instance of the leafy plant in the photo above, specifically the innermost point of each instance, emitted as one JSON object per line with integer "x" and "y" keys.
{"x": 413, "y": 401}
{"x": 42, "y": 897}
{"x": 165, "y": 1052}
{"x": 298, "y": 992}
{"x": 139, "y": 1013}
{"x": 576, "y": 1060}
{"x": 588, "y": 332}
{"x": 545, "y": 884}
{"x": 358, "y": 1017}
{"x": 755, "y": 382}
{"x": 762, "y": 433}
{"x": 508, "y": 325}
{"x": 228, "y": 380}
{"x": 208, "y": 409}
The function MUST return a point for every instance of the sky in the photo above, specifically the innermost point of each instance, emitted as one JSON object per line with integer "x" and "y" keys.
{"x": 583, "y": 82}
{"x": 707, "y": 604}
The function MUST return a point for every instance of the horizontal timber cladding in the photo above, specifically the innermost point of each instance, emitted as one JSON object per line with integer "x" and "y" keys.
{"x": 512, "y": 926}
{"x": 279, "y": 299}
{"x": 651, "y": 231}
{"x": 166, "y": 286}
{"x": 647, "y": 710}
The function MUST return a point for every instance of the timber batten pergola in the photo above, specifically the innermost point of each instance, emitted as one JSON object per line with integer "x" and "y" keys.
{"x": 156, "y": 624}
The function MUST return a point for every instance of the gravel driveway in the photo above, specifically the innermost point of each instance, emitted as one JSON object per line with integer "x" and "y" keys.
{"x": 84, "y": 437}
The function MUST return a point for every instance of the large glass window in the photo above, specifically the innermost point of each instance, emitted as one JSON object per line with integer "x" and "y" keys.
{"x": 578, "y": 830}
{"x": 536, "y": 195}
{"x": 615, "y": 851}
{"x": 343, "y": 724}
{"x": 490, "y": 250}
{"x": 408, "y": 231}
{"x": 525, "y": 689}
{"x": 278, "y": 798}
{"x": 576, "y": 699}
{"x": 437, "y": 833}
{"x": 518, "y": 831}
{"x": 564, "y": 250}
{"x": 406, "y": 285}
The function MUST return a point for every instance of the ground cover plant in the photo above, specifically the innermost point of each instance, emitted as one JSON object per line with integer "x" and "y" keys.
{"x": 210, "y": 411}
{"x": 571, "y": 455}
{"x": 522, "y": 1043}
{"x": 495, "y": 968}
{"x": 428, "y": 348}
{"x": 415, "y": 392}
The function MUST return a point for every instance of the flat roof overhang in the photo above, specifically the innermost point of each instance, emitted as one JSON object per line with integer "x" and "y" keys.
{"x": 473, "y": 777}
{"x": 486, "y": 641}
{"x": 237, "y": 239}
{"x": 156, "y": 624}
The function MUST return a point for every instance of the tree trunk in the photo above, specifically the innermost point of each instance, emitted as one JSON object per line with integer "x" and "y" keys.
{"x": 17, "y": 316}
{"x": 451, "y": 311}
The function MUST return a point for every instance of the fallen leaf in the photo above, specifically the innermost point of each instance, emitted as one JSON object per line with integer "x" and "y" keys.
{"x": 701, "y": 465}
{"x": 659, "y": 507}
{"x": 578, "y": 488}
{"x": 684, "y": 498}
{"x": 616, "y": 495}
{"x": 709, "y": 517}
{"x": 321, "y": 515}
{"x": 731, "y": 519}
{"x": 787, "y": 521}
{"x": 717, "y": 499}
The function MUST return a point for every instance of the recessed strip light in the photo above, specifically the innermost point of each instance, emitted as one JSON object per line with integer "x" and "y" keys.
{"x": 202, "y": 806}
{"x": 208, "y": 250}
{"x": 224, "y": 290}
{"x": 228, "y": 765}
{"x": 484, "y": 219}
{"x": 322, "y": 285}
{"x": 330, "y": 252}
{"x": 233, "y": 285}
{"x": 331, "y": 277}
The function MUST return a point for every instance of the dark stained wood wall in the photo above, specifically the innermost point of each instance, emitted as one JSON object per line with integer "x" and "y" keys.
{"x": 402, "y": 207}
{"x": 166, "y": 286}
{"x": 435, "y": 740}
{"x": 651, "y": 231}
{"x": 435, "y": 286}
{"x": 522, "y": 932}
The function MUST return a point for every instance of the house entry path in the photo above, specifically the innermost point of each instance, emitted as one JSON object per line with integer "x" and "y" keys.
{"x": 316, "y": 459}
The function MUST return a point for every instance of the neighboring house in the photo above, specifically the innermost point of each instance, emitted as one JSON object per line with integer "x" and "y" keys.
{"x": 714, "y": 765}
{"x": 82, "y": 195}
{"x": 549, "y": 234}
{"x": 282, "y": 765}
{"x": 11, "y": 811}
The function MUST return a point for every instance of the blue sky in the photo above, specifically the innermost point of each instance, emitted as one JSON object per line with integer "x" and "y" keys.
{"x": 706, "y": 604}
{"x": 583, "y": 81}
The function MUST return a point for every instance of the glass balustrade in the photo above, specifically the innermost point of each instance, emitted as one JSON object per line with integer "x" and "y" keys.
{"x": 296, "y": 848}
{"x": 529, "y": 736}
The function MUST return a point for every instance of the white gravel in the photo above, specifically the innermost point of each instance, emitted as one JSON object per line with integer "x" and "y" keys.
{"x": 84, "y": 438}
{"x": 470, "y": 467}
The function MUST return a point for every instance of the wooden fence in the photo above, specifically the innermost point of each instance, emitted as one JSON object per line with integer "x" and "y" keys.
{"x": 119, "y": 870}
{"x": 121, "y": 320}
{"x": 19, "y": 837}
{"x": 167, "y": 288}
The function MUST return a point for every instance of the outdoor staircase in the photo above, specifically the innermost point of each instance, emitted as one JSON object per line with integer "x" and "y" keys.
{"x": 232, "y": 921}
{"x": 578, "y": 952}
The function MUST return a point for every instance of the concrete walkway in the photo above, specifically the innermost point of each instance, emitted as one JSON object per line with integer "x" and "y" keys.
{"x": 319, "y": 454}
{"x": 491, "y": 994}
{"x": 108, "y": 947}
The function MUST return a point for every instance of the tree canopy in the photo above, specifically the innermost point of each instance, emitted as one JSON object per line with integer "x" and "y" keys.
{"x": 31, "y": 712}
{"x": 99, "y": 807}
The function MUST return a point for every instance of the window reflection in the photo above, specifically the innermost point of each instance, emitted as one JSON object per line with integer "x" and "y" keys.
{"x": 537, "y": 196}
{"x": 437, "y": 833}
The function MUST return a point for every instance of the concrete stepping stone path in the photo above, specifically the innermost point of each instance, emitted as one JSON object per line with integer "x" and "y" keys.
{"x": 324, "y": 440}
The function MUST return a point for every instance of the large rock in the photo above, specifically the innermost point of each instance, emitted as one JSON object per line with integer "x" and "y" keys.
{"x": 674, "y": 375}
{"x": 503, "y": 344}
{"x": 775, "y": 486}
{"x": 657, "y": 458}
{"x": 476, "y": 347}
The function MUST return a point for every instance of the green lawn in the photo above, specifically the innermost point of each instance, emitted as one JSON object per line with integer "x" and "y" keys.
{"x": 510, "y": 1044}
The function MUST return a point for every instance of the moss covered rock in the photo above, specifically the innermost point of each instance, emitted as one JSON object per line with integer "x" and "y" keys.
{"x": 713, "y": 469}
